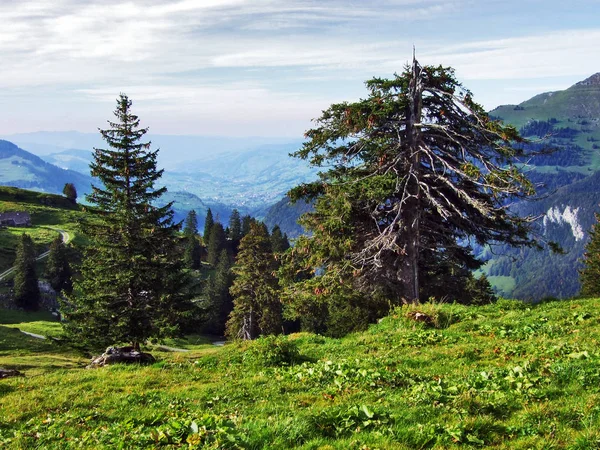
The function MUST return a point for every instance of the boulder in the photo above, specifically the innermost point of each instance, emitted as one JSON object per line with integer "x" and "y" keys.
{"x": 121, "y": 355}
{"x": 5, "y": 373}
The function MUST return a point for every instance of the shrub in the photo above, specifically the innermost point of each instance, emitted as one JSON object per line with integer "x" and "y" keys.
{"x": 273, "y": 351}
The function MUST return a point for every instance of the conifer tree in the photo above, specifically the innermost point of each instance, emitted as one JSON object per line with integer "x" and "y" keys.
{"x": 255, "y": 289}
{"x": 132, "y": 285}
{"x": 590, "y": 274}
{"x": 190, "y": 227}
{"x": 192, "y": 250}
{"x": 217, "y": 242}
{"x": 279, "y": 241}
{"x": 58, "y": 270}
{"x": 246, "y": 222}
{"x": 235, "y": 226}
{"x": 418, "y": 171}
{"x": 70, "y": 192}
{"x": 208, "y": 224}
{"x": 26, "y": 290}
{"x": 217, "y": 297}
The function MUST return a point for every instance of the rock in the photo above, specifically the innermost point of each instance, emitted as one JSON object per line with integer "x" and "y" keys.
{"x": 5, "y": 373}
{"x": 121, "y": 355}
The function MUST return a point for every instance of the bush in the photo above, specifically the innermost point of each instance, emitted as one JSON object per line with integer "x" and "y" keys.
{"x": 273, "y": 351}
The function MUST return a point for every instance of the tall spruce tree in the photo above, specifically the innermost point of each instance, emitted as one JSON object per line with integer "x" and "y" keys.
{"x": 217, "y": 297}
{"x": 247, "y": 220}
{"x": 255, "y": 290}
{"x": 419, "y": 170}
{"x": 590, "y": 274}
{"x": 235, "y": 226}
{"x": 217, "y": 242}
{"x": 279, "y": 241}
{"x": 208, "y": 224}
{"x": 192, "y": 251}
{"x": 58, "y": 270}
{"x": 132, "y": 286}
{"x": 26, "y": 290}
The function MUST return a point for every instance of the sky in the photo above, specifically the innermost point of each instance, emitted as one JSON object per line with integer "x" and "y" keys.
{"x": 267, "y": 67}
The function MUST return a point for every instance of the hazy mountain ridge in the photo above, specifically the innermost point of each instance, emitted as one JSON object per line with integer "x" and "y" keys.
{"x": 19, "y": 168}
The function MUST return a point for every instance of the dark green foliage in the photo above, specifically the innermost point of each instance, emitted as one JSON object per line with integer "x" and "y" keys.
{"x": 70, "y": 192}
{"x": 132, "y": 285}
{"x": 217, "y": 241}
{"x": 255, "y": 290}
{"x": 58, "y": 270}
{"x": 279, "y": 241}
{"x": 192, "y": 251}
{"x": 217, "y": 300}
{"x": 246, "y": 222}
{"x": 235, "y": 226}
{"x": 208, "y": 224}
{"x": 26, "y": 290}
{"x": 190, "y": 227}
{"x": 418, "y": 172}
{"x": 590, "y": 274}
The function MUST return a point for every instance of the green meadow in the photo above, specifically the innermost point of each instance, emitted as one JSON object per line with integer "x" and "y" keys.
{"x": 508, "y": 375}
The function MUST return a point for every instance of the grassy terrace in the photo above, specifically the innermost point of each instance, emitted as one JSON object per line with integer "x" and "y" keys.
{"x": 502, "y": 376}
{"x": 49, "y": 213}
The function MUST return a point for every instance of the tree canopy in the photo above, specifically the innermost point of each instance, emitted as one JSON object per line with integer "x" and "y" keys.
{"x": 419, "y": 172}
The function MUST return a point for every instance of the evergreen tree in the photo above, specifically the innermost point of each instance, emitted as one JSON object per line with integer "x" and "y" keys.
{"x": 26, "y": 290}
{"x": 246, "y": 222}
{"x": 132, "y": 285}
{"x": 58, "y": 270}
{"x": 208, "y": 224}
{"x": 217, "y": 296}
{"x": 70, "y": 192}
{"x": 235, "y": 226}
{"x": 279, "y": 241}
{"x": 255, "y": 289}
{"x": 192, "y": 251}
{"x": 419, "y": 170}
{"x": 216, "y": 243}
{"x": 590, "y": 274}
{"x": 190, "y": 227}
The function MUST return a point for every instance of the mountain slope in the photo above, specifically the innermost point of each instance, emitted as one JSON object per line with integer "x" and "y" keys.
{"x": 569, "y": 190}
{"x": 20, "y": 168}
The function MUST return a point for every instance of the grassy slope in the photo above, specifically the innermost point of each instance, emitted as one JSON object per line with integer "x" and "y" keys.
{"x": 48, "y": 213}
{"x": 502, "y": 376}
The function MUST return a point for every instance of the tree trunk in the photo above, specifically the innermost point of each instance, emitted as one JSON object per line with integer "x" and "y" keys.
{"x": 408, "y": 272}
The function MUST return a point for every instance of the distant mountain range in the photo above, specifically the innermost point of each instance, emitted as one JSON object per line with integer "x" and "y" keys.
{"x": 19, "y": 168}
{"x": 569, "y": 190}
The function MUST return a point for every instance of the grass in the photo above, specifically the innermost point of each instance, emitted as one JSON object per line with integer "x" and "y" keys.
{"x": 509, "y": 375}
{"x": 49, "y": 213}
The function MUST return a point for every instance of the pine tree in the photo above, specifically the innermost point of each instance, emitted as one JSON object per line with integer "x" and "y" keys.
{"x": 208, "y": 224}
{"x": 255, "y": 289}
{"x": 132, "y": 286}
{"x": 217, "y": 242}
{"x": 217, "y": 297}
{"x": 192, "y": 251}
{"x": 279, "y": 241}
{"x": 26, "y": 290}
{"x": 235, "y": 226}
{"x": 70, "y": 192}
{"x": 590, "y": 274}
{"x": 58, "y": 270}
{"x": 419, "y": 170}
{"x": 190, "y": 227}
{"x": 246, "y": 222}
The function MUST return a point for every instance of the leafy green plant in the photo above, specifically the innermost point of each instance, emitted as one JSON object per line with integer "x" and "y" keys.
{"x": 273, "y": 351}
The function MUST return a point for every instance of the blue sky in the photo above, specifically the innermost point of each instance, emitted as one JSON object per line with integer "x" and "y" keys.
{"x": 267, "y": 67}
